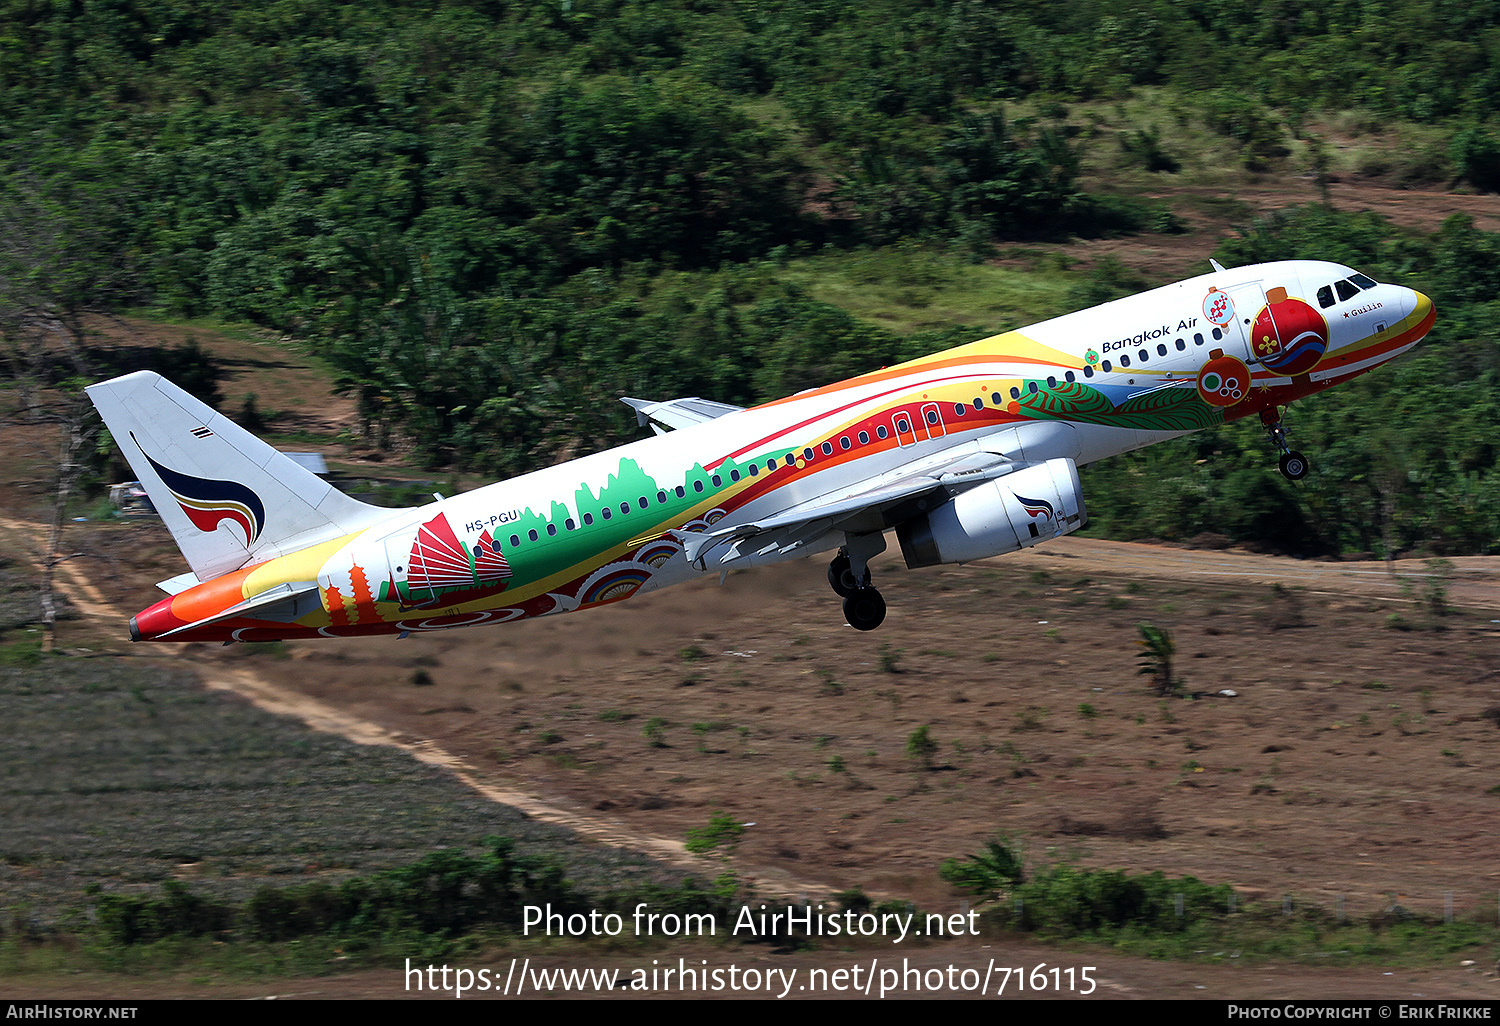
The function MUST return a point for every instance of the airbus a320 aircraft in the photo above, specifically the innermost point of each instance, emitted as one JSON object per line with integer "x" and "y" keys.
{"x": 967, "y": 453}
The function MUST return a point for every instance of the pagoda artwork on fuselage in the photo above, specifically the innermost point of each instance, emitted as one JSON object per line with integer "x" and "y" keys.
{"x": 440, "y": 564}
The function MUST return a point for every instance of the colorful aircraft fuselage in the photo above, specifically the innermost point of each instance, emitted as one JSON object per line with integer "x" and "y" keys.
{"x": 965, "y": 453}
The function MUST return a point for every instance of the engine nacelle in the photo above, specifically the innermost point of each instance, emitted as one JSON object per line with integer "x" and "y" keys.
{"x": 1009, "y": 513}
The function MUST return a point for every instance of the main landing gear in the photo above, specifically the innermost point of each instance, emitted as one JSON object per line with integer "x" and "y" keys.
{"x": 849, "y": 576}
{"x": 1293, "y": 463}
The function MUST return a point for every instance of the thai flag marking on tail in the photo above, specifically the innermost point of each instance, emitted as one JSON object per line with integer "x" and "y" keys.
{"x": 208, "y": 502}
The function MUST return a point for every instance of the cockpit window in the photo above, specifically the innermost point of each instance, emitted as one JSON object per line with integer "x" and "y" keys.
{"x": 1325, "y": 296}
{"x": 1346, "y": 290}
{"x": 1362, "y": 281}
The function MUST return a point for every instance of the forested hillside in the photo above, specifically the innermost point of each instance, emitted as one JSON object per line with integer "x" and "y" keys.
{"x": 491, "y": 218}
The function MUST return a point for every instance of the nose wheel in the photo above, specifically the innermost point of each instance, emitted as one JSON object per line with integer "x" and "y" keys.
{"x": 1293, "y": 463}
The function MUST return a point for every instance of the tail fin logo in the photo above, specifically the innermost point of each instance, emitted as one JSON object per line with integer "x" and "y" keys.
{"x": 208, "y": 502}
{"x": 1037, "y": 508}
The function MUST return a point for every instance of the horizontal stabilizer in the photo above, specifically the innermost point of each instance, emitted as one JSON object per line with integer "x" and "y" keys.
{"x": 179, "y": 584}
{"x": 281, "y": 604}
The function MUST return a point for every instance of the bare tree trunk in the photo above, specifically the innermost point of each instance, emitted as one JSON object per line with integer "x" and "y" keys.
{"x": 75, "y": 430}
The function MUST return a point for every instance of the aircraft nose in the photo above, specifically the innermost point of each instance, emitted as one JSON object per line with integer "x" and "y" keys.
{"x": 1422, "y": 309}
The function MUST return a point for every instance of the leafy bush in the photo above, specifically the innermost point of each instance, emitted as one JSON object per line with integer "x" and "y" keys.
{"x": 179, "y": 912}
{"x": 1000, "y": 868}
{"x": 921, "y": 747}
{"x": 722, "y": 829}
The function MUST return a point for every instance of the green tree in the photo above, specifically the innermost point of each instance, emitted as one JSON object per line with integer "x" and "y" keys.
{"x": 1156, "y": 660}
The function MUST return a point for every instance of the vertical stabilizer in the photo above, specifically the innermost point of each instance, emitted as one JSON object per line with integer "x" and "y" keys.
{"x": 228, "y": 498}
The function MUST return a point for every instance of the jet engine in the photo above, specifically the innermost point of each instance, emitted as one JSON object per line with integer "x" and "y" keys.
{"x": 1016, "y": 511}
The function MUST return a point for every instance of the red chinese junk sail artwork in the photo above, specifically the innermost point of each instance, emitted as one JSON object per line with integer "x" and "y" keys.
{"x": 439, "y": 560}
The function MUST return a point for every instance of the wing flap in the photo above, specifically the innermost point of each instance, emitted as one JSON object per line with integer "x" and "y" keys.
{"x": 861, "y": 511}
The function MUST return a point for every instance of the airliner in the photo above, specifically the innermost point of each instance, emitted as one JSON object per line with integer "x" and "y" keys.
{"x": 965, "y": 454}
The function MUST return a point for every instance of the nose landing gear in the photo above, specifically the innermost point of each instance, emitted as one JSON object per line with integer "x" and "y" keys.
{"x": 1293, "y": 463}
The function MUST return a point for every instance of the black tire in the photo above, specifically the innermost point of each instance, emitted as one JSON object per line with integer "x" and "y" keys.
{"x": 839, "y": 575}
{"x": 864, "y": 608}
{"x": 1294, "y": 466}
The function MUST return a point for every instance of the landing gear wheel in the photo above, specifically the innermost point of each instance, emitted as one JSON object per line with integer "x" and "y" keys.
{"x": 840, "y": 576}
{"x": 1294, "y": 465}
{"x": 864, "y": 609}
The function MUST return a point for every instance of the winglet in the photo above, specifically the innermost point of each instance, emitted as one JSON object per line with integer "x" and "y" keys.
{"x": 672, "y": 414}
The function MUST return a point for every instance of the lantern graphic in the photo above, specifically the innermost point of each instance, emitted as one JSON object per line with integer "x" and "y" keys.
{"x": 1224, "y": 381}
{"x": 1289, "y": 336}
{"x": 1218, "y": 308}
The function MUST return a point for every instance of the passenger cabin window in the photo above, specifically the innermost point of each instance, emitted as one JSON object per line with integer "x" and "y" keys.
{"x": 1347, "y": 290}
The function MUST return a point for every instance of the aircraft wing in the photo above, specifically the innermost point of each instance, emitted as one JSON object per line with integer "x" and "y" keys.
{"x": 866, "y": 508}
{"x": 671, "y": 414}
